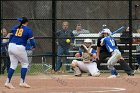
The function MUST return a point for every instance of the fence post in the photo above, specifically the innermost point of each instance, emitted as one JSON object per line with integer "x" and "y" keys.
{"x": 53, "y": 33}
{"x": 130, "y": 34}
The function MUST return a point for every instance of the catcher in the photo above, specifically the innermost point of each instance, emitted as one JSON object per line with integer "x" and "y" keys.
{"x": 86, "y": 62}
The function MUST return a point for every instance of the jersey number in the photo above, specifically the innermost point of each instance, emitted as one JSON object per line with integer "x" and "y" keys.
{"x": 19, "y": 32}
{"x": 112, "y": 42}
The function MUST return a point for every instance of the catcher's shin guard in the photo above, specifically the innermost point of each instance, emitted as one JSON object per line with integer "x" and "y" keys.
{"x": 77, "y": 71}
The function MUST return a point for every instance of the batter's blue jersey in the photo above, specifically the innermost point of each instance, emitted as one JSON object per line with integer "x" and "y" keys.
{"x": 110, "y": 44}
{"x": 20, "y": 36}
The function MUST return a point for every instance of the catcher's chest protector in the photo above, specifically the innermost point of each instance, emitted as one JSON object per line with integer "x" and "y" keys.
{"x": 87, "y": 56}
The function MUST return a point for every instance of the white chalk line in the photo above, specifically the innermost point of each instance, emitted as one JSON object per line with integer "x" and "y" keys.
{"x": 105, "y": 89}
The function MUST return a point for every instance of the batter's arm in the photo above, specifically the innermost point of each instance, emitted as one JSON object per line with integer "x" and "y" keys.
{"x": 102, "y": 41}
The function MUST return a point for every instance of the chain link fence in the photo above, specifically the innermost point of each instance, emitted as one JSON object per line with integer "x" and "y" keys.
{"x": 90, "y": 14}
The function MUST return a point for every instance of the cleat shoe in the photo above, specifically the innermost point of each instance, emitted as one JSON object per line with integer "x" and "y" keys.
{"x": 97, "y": 74}
{"x": 25, "y": 85}
{"x": 137, "y": 71}
{"x": 118, "y": 75}
{"x": 132, "y": 74}
{"x": 112, "y": 76}
{"x": 89, "y": 74}
{"x": 78, "y": 75}
{"x": 9, "y": 85}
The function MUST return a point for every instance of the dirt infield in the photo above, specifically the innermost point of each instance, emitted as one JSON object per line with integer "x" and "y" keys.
{"x": 69, "y": 84}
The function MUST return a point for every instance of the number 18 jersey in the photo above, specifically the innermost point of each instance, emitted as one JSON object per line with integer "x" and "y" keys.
{"x": 20, "y": 36}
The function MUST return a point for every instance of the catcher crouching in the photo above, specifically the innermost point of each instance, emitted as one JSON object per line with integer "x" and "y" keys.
{"x": 86, "y": 60}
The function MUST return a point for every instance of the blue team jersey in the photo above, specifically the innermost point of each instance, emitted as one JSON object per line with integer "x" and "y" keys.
{"x": 20, "y": 36}
{"x": 110, "y": 44}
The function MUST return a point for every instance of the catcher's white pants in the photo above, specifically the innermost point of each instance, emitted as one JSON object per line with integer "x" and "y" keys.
{"x": 17, "y": 54}
{"x": 89, "y": 67}
{"x": 116, "y": 55}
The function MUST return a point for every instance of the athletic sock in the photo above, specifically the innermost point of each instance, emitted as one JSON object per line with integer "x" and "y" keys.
{"x": 114, "y": 72}
{"x": 10, "y": 74}
{"x": 23, "y": 74}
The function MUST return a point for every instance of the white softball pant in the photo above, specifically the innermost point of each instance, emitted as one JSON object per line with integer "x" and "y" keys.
{"x": 17, "y": 54}
{"x": 89, "y": 68}
{"x": 116, "y": 55}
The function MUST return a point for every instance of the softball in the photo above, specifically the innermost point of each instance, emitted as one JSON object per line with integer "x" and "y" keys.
{"x": 68, "y": 40}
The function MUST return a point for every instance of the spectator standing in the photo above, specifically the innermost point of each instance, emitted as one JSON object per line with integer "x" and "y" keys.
{"x": 63, "y": 46}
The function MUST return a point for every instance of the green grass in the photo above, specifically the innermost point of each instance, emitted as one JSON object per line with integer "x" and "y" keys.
{"x": 34, "y": 69}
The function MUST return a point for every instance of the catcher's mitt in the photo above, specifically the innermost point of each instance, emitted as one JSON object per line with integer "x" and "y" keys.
{"x": 84, "y": 48}
{"x": 87, "y": 57}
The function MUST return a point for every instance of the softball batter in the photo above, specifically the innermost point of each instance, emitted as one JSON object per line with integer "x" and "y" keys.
{"x": 88, "y": 62}
{"x": 110, "y": 44}
{"x": 18, "y": 39}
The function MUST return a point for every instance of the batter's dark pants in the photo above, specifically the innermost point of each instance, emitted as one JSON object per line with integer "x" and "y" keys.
{"x": 122, "y": 63}
{"x": 6, "y": 63}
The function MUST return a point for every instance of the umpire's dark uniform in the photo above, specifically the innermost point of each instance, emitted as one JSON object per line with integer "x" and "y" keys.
{"x": 103, "y": 54}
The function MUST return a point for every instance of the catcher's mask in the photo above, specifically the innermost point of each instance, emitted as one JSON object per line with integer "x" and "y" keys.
{"x": 88, "y": 42}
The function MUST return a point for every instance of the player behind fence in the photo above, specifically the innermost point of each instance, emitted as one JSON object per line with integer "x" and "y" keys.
{"x": 87, "y": 61}
{"x": 111, "y": 46}
{"x": 18, "y": 39}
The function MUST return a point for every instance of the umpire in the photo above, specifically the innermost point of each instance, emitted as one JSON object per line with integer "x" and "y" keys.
{"x": 63, "y": 46}
{"x": 102, "y": 54}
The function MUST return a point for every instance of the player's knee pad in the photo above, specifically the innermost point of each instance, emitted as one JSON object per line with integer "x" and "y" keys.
{"x": 74, "y": 63}
{"x": 77, "y": 71}
{"x": 24, "y": 65}
{"x": 14, "y": 65}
